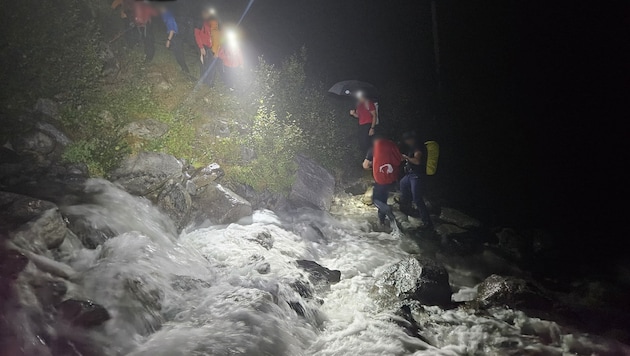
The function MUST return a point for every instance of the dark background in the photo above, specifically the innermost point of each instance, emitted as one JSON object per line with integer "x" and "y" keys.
{"x": 530, "y": 114}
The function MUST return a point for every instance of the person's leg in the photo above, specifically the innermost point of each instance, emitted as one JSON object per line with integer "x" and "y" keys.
{"x": 178, "y": 51}
{"x": 364, "y": 138}
{"x": 379, "y": 198}
{"x": 417, "y": 191}
{"x": 405, "y": 193}
{"x": 149, "y": 42}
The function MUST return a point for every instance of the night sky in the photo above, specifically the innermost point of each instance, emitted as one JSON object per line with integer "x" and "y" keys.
{"x": 530, "y": 114}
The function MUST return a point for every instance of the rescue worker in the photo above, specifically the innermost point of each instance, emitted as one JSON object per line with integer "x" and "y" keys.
{"x": 232, "y": 60}
{"x": 412, "y": 185}
{"x": 384, "y": 160}
{"x": 143, "y": 14}
{"x": 203, "y": 38}
{"x": 368, "y": 119}
{"x": 173, "y": 41}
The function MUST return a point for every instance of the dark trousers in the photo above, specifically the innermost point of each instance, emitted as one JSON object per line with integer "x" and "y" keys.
{"x": 148, "y": 41}
{"x": 380, "y": 195}
{"x": 365, "y": 140}
{"x": 412, "y": 190}
{"x": 230, "y": 75}
{"x": 177, "y": 46}
{"x": 208, "y": 68}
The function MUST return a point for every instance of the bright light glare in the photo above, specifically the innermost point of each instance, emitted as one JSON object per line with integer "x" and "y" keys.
{"x": 359, "y": 94}
{"x": 232, "y": 38}
{"x": 212, "y": 11}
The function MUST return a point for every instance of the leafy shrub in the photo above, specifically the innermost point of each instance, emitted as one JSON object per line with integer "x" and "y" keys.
{"x": 49, "y": 48}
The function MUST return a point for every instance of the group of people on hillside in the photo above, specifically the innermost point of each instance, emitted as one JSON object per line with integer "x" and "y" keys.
{"x": 217, "y": 54}
{"x": 384, "y": 158}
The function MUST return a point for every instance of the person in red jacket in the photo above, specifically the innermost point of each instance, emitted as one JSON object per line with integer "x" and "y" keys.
{"x": 384, "y": 159}
{"x": 143, "y": 14}
{"x": 368, "y": 119}
{"x": 232, "y": 58}
{"x": 203, "y": 38}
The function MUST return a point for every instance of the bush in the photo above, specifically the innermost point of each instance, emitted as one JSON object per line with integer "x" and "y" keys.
{"x": 49, "y": 48}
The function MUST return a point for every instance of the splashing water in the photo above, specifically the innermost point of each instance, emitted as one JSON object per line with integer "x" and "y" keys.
{"x": 235, "y": 290}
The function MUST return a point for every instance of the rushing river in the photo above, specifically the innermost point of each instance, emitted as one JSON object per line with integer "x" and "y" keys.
{"x": 230, "y": 290}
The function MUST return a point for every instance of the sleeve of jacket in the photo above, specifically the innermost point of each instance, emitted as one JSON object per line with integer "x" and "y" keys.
{"x": 198, "y": 35}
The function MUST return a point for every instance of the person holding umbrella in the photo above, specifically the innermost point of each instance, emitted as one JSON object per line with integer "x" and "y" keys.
{"x": 368, "y": 119}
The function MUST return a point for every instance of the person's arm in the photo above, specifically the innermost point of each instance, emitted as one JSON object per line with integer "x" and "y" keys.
{"x": 373, "y": 113}
{"x": 354, "y": 114}
{"x": 367, "y": 164}
{"x": 171, "y": 33}
{"x": 416, "y": 159}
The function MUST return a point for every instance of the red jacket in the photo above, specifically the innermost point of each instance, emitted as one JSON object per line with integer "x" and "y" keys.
{"x": 231, "y": 57}
{"x": 203, "y": 36}
{"x": 386, "y": 162}
{"x": 142, "y": 13}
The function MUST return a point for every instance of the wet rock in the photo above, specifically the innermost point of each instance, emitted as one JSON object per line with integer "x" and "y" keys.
{"x": 147, "y": 172}
{"x": 219, "y": 205}
{"x": 47, "y": 107}
{"x": 409, "y": 324}
{"x": 58, "y": 136}
{"x": 512, "y": 292}
{"x": 176, "y": 203}
{"x": 421, "y": 280}
{"x": 263, "y": 268}
{"x": 90, "y": 236}
{"x": 314, "y": 186}
{"x": 49, "y": 291}
{"x": 12, "y": 262}
{"x": 33, "y": 224}
{"x": 83, "y": 313}
{"x": 187, "y": 283}
{"x": 303, "y": 288}
{"x": 298, "y": 308}
{"x": 449, "y": 229}
{"x": 207, "y": 175}
{"x": 318, "y": 272}
{"x": 34, "y": 142}
{"x": 148, "y": 129}
{"x": 263, "y": 238}
{"x": 458, "y": 218}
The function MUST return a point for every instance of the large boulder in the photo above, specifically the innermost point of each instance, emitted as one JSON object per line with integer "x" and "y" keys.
{"x": 314, "y": 186}
{"x": 175, "y": 201}
{"x": 219, "y": 205}
{"x": 12, "y": 262}
{"x": 148, "y": 129}
{"x": 416, "y": 279}
{"x": 458, "y": 218}
{"x": 52, "y": 131}
{"x": 33, "y": 224}
{"x": 496, "y": 291}
{"x": 33, "y": 142}
{"x": 147, "y": 172}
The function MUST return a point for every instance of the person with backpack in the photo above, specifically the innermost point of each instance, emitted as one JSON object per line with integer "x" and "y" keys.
{"x": 173, "y": 40}
{"x": 384, "y": 159}
{"x": 368, "y": 119}
{"x": 412, "y": 185}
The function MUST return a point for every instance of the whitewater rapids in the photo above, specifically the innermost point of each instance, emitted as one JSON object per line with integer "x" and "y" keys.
{"x": 230, "y": 290}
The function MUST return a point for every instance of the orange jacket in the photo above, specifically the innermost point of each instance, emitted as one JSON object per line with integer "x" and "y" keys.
{"x": 203, "y": 36}
{"x": 215, "y": 36}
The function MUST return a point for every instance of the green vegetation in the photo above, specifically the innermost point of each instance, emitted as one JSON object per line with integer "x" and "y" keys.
{"x": 253, "y": 133}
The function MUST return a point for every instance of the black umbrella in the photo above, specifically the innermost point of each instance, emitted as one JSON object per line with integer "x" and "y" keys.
{"x": 352, "y": 87}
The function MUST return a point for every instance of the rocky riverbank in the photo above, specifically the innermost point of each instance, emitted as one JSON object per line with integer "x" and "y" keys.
{"x": 53, "y": 214}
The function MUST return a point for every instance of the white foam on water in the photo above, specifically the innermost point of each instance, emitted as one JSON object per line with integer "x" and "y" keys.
{"x": 231, "y": 290}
